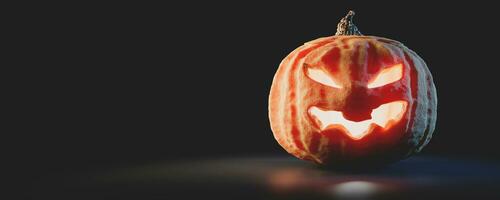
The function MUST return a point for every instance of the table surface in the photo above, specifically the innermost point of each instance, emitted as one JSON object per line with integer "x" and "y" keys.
{"x": 278, "y": 178}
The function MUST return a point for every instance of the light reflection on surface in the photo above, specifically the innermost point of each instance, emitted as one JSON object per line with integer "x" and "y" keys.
{"x": 269, "y": 177}
{"x": 299, "y": 181}
{"x": 355, "y": 189}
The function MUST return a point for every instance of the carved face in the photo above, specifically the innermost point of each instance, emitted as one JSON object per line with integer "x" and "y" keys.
{"x": 359, "y": 120}
{"x": 352, "y": 97}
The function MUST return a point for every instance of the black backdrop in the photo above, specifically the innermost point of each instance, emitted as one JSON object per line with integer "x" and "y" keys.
{"x": 123, "y": 84}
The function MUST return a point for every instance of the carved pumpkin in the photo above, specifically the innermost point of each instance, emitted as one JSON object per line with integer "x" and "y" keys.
{"x": 351, "y": 98}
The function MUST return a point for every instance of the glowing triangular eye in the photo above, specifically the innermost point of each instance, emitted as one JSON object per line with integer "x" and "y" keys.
{"x": 320, "y": 76}
{"x": 386, "y": 76}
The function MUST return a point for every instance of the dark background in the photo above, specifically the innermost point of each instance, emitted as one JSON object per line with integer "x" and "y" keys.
{"x": 119, "y": 84}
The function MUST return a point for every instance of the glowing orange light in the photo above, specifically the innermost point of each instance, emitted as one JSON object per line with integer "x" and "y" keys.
{"x": 382, "y": 116}
{"x": 386, "y": 76}
{"x": 320, "y": 76}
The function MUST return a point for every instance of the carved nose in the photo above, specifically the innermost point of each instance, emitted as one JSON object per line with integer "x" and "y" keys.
{"x": 358, "y": 108}
{"x": 357, "y": 115}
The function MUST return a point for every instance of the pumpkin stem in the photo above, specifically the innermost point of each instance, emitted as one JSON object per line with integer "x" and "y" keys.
{"x": 346, "y": 26}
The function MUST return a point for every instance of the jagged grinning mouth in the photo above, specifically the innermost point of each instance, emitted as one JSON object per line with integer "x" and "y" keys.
{"x": 383, "y": 116}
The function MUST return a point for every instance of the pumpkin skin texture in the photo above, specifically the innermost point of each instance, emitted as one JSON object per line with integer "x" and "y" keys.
{"x": 354, "y": 62}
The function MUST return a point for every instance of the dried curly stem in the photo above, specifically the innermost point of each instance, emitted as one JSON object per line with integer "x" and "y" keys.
{"x": 346, "y": 26}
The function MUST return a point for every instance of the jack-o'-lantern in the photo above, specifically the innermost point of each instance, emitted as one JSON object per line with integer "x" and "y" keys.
{"x": 351, "y": 98}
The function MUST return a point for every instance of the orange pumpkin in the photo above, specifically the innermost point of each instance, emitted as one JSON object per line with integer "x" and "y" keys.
{"x": 351, "y": 98}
